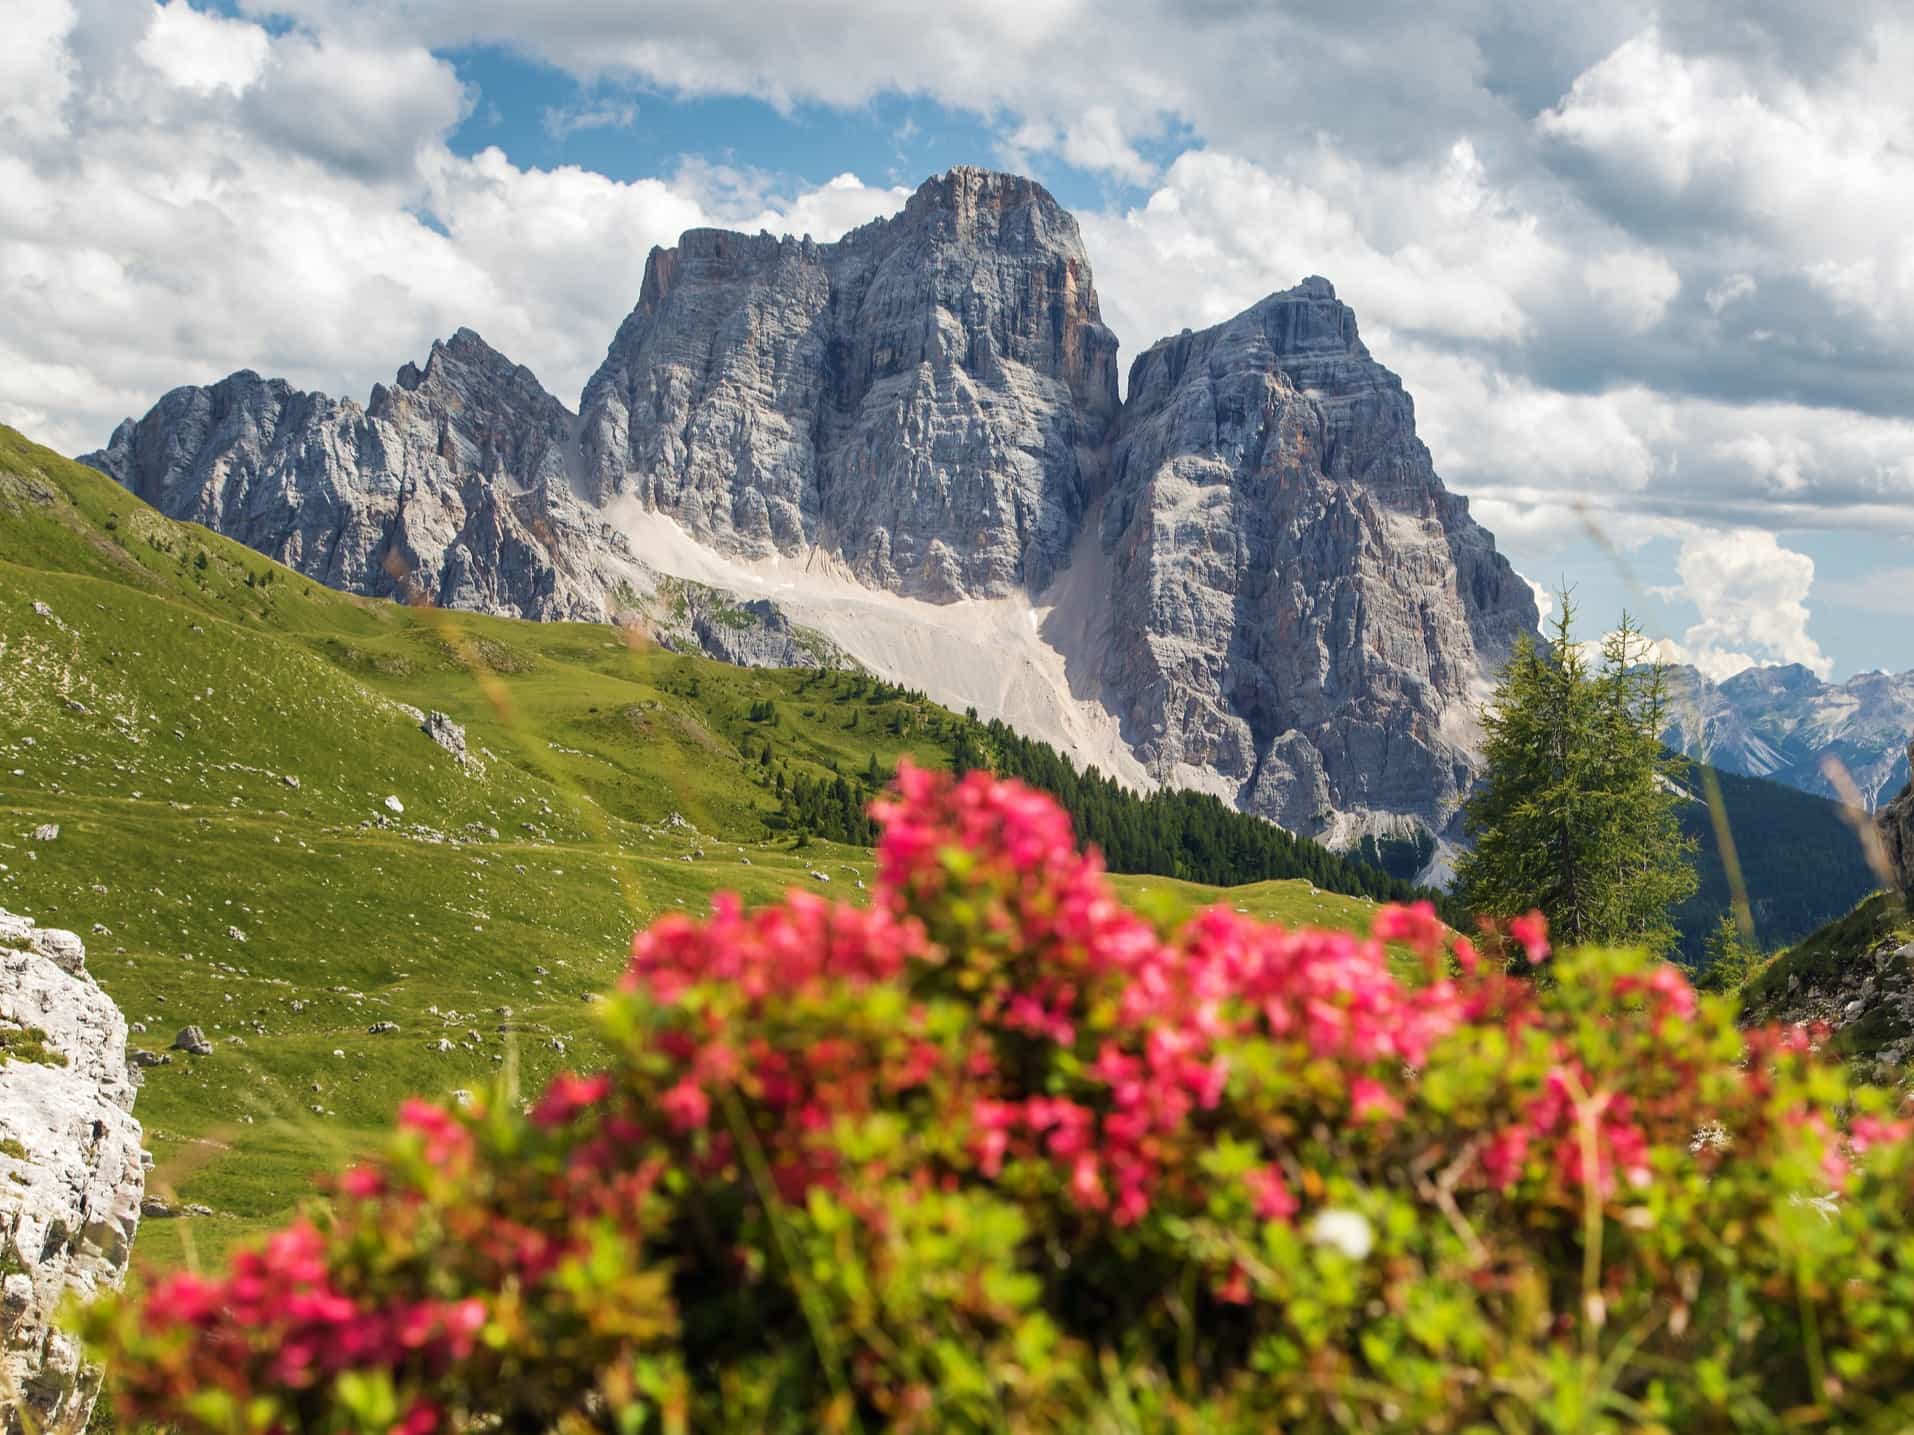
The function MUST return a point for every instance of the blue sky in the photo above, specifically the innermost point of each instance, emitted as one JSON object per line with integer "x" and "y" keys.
{"x": 1645, "y": 267}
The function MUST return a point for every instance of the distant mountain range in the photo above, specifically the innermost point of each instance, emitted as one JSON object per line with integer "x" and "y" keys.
{"x": 1784, "y": 723}
{"x": 906, "y": 448}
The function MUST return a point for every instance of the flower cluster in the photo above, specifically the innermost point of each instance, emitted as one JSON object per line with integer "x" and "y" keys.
{"x": 999, "y": 1152}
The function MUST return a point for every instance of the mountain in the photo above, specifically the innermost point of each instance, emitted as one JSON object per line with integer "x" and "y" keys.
{"x": 1783, "y": 723}
{"x": 1314, "y": 618}
{"x": 923, "y": 400}
{"x": 905, "y": 449}
{"x": 453, "y": 484}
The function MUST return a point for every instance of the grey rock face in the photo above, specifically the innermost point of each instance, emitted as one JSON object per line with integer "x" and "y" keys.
{"x": 1897, "y": 832}
{"x": 1298, "y": 615}
{"x": 450, "y": 736}
{"x": 923, "y": 399}
{"x": 1784, "y": 723}
{"x": 71, "y": 1177}
{"x": 1314, "y": 616}
{"x": 450, "y": 486}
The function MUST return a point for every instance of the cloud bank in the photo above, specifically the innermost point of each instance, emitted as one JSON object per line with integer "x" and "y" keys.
{"x": 1648, "y": 269}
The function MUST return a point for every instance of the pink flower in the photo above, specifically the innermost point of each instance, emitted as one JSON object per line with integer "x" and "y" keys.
{"x": 1086, "y": 1184}
{"x": 1271, "y": 1194}
{"x": 686, "y": 1106}
{"x": 1370, "y": 1101}
{"x": 1531, "y": 933}
{"x": 567, "y": 1096}
{"x": 362, "y": 1182}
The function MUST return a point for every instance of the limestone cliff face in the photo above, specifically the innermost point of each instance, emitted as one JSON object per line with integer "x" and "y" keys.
{"x": 1289, "y": 609}
{"x": 924, "y": 400}
{"x": 71, "y": 1175}
{"x": 1313, "y": 617}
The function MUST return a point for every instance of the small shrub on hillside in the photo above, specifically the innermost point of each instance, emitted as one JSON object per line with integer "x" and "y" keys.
{"x": 999, "y": 1154}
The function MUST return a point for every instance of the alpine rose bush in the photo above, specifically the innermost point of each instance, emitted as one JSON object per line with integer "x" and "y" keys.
{"x": 999, "y": 1154}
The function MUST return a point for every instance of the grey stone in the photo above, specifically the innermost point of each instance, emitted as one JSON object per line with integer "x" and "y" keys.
{"x": 193, "y": 1041}
{"x": 47, "y": 832}
{"x": 70, "y": 1204}
{"x": 922, "y": 400}
{"x": 382, "y": 1028}
{"x": 450, "y": 736}
{"x": 64, "y": 949}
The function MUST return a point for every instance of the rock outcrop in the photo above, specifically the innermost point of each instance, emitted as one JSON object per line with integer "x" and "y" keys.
{"x": 923, "y": 400}
{"x": 1246, "y": 578}
{"x": 71, "y": 1174}
{"x": 687, "y": 617}
{"x": 1783, "y": 723}
{"x": 1315, "y": 618}
{"x": 1897, "y": 832}
{"x": 451, "y": 736}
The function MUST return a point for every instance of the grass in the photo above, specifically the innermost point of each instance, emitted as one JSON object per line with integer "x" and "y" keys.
{"x": 162, "y": 710}
{"x": 1818, "y": 964}
{"x": 1818, "y": 958}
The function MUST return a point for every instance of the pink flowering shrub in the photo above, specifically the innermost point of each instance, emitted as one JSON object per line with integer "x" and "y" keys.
{"x": 999, "y": 1154}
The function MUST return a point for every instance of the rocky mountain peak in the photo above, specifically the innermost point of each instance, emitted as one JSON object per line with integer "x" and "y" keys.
{"x": 922, "y": 401}
{"x": 1278, "y": 600}
{"x": 967, "y": 204}
{"x": 1780, "y": 678}
{"x": 479, "y": 413}
{"x": 1316, "y": 616}
{"x": 1782, "y": 722}
{"x": 1308, "y": 321}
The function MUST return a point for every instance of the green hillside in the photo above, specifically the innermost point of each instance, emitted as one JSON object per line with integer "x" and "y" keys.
{"x": 217, "y": 738}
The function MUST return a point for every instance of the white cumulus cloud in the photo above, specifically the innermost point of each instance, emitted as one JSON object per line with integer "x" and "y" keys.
{"x": 1752, "y": 594}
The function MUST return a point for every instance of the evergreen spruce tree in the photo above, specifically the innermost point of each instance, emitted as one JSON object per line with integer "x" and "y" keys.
{"x": 1729, "y": 961}
{"x": 1576, "y": 813}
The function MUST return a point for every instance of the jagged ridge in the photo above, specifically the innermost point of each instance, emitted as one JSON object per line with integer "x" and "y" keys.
{"x": 1265, "y": 581}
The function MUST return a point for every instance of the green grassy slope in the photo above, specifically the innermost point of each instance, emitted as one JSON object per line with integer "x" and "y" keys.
{"x": 1852, "y": 974}
{"x": 176, "y": 682}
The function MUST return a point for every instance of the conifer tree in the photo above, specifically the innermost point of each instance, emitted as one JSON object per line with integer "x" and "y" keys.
{"x": 1730, "y": 961}
{"x": 1576, "y": 813}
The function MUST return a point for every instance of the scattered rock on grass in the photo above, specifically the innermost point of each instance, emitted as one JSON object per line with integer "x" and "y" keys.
{"x": 193, "y": 1041}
